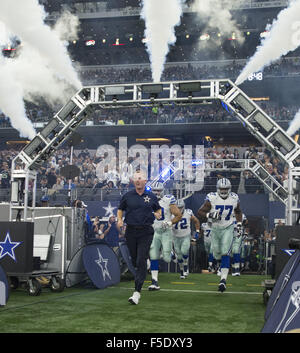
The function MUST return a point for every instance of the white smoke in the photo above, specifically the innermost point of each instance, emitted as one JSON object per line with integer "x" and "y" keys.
{"x": 294, "y": 125}
{"x": 11, "y": 101}
{"x": 42, "y": 67}
{"x": 283, "y": 37}
{"x": 217, "y": 14}
{"x": 161, "y": 17}
{"x": 26, "y": 20}
{"x": 67, "y": 26}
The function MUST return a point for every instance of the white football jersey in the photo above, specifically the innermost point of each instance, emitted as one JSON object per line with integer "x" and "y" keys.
{"x": 166, "y": 214}
{"x": 183, "y": 227}
{"x": 244, "y": 218}
{"x": 225, "y": 207}
{"x": 206, "y": 227}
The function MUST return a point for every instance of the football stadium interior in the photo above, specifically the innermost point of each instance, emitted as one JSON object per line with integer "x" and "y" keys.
{"x": 200, "y": 96}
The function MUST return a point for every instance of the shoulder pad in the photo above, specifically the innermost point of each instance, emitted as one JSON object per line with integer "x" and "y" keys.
{"x": 189, "y": 211}
{"x": 234, "y": 195}
{"x": 170, "y": 198}
{"x": 210, "y": 195}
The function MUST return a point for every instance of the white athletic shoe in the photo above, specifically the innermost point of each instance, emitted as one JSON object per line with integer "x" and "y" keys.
{"x": 222, "y": 286}
{"x": 236, "y": 274}
{"x": 182, "y": 275}
{"x": 154, "y": 286}
{"x": 134, "y": 299}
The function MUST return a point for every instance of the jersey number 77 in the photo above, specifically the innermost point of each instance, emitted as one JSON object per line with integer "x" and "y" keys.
{"x": 228, "y": 208}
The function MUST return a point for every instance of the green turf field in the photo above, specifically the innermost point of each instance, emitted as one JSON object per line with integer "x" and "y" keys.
{"x": 192, "y": 305}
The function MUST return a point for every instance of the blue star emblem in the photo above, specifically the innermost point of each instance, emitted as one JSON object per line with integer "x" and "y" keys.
{"x": 102, "y": 263}
{"x": 7, "y": 247}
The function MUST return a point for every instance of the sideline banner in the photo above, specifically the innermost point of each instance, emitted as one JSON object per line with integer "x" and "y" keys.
{"x": 285, "y": 315}
{"x": 16, "y": 246}
{"x": 282, "y": 282}
{"x": 101, "y": 265}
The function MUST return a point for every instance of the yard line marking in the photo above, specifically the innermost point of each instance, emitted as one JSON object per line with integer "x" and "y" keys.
{"x": 254, "y": 285}
{"x": 193, "y": 291}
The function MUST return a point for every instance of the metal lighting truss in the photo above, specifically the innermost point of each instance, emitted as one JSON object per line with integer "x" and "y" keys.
{"x": 180, "y": 93}
{"x": 233, "y": 165}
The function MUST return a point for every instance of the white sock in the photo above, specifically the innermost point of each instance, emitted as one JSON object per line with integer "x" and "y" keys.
{"x": 224, "y": 273}
{"x": 154, "y": 275}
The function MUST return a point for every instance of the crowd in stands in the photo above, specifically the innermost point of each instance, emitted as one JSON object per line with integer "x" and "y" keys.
{"x": 115, "y": 74}
{"x": 113, "y": 182}
{"x": 173, "y": 114}
{"x": 212, "y": 113}
{"x": 161, "y": 115}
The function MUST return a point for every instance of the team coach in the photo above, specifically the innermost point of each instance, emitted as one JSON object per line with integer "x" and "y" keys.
{"x": 140, "y": 207}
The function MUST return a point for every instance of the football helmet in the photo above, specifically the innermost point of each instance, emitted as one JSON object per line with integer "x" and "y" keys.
{"x": 223, "y": 188}
{"x": 158, "y": 189}
{"x": 180, "y": 204}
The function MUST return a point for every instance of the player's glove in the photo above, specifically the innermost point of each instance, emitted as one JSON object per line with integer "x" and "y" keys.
{"x": 239, "y": 229}
{"x": 166, "y": 224}
{"x": 215, "y": 216}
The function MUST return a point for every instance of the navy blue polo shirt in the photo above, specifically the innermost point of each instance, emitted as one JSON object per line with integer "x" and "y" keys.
{"x": 139, "y": 208}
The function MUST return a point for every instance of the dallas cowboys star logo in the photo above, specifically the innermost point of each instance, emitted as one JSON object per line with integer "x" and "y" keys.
{"x": 147, "y": 199}
{"x": 102, "y": 263}
{"x": 109, "y": 209}
{"x": 7, "y": 247}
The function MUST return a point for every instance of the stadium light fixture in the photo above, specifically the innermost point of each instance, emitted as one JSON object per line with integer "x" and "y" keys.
{"x": 66, "y": 110}
{"x": 190, "y": 87}
{"x": 36, "y": 145}
{"x": 262, "y": 122}
{"x": 285, "y": 144}
{"x": 114, "y": 90}
{"x": 242, "y": 102}
{"x": 49, "y": 128}
{"x": 152, "y": 89}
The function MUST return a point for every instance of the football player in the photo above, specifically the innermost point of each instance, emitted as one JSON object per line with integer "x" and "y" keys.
{"x": 237, "y": 247}
{"x": 219, "y": 208}
{"x": 163, "y": 237}
{"x": 182, "y": 237}
{"x": 206, "y": 229}
{"x": 246, "y": 250}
